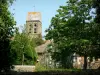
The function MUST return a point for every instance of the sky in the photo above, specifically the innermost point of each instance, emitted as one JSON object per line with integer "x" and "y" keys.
{"x": 48, "y": 8}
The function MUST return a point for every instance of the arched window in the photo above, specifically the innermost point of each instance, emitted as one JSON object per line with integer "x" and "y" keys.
{"x": 30, "y": 26}
{"x": 35, "y": 25}
{"x": 35, "y": 30}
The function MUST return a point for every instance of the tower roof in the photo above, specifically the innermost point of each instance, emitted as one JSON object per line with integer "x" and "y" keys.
{"x": 32, "y": 16}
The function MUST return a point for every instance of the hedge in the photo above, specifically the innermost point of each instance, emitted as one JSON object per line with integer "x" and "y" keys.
{"x": 81, "y": 72}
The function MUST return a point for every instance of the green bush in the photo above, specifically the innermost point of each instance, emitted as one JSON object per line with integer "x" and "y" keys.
{"x": 40, "y": 67}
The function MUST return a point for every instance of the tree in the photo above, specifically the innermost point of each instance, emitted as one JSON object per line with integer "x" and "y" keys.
{"x": 96, "y": 5}
{"x": 38, "y": 41}
{"x": 24, "y": 49}
{"x": 7, "y": 24}
{"x": 72, "y": 30}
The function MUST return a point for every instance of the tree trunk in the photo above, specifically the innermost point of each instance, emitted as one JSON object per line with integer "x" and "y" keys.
{"x": 23, "y": 59}
{"x": 85, "y": 63}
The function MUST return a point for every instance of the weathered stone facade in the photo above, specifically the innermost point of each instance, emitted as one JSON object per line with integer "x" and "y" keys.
{"x": 24, "y": 68}
{"x": 34, "y": 25}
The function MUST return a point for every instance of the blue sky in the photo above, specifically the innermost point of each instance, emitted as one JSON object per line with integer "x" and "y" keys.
{"x": 46, "y": 7}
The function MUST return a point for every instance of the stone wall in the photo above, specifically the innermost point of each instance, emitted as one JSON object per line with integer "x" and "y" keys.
{"x": 24, "y": 68}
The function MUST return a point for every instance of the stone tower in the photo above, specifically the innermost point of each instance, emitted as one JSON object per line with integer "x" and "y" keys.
{"x": 34, "y": 24}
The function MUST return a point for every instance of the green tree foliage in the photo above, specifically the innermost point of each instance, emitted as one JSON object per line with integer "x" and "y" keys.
{"x": 38, "y": 41}
{"x": 96, "y": 4}
{"x": 6, "y": 32}
{"x": 24, "y": 49}
{"x": 73, "y": 31}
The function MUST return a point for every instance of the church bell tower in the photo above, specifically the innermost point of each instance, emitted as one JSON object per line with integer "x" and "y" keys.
{"x": 34, "y": 24}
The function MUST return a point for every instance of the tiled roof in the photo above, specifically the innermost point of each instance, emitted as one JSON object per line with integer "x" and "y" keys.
{"x": 42, "y": 48}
